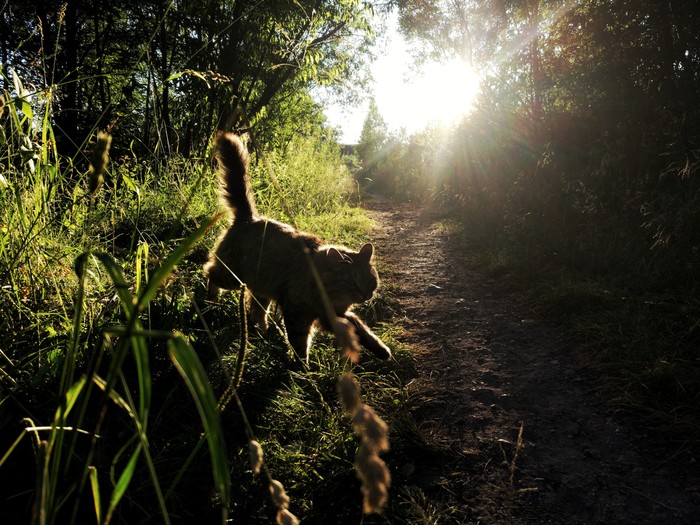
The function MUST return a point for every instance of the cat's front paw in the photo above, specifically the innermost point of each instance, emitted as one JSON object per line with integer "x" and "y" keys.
{"x": 379, "y": 349}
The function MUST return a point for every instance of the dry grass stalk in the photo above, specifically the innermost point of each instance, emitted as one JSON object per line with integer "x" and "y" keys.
{"x": 374, "y": 438}
{"x": 98, "y": 162}
{"x": 256, "y": 456}
{"x": 347, "y": 338}
{"x": 518, "y": 447}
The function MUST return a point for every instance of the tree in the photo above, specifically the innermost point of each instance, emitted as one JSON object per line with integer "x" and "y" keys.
{"x": 585, "y": 139}
{"x": 166, "y": 74}
{"x": 373, "y": 139}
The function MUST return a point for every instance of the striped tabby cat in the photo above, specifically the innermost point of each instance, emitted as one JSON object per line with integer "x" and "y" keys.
{"x": 273, "y": 260}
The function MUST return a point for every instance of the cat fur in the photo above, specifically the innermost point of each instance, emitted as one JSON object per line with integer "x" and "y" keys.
{"x": 273, "y": 260}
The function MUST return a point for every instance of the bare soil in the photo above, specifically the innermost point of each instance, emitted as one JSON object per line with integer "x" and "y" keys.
{"x": 488, "y": 367}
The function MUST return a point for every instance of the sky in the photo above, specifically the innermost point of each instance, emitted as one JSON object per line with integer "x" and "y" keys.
{"x": 439, "y": 93}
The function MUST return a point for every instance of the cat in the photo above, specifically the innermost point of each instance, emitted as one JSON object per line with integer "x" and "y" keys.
{"x": 273, "y": 260}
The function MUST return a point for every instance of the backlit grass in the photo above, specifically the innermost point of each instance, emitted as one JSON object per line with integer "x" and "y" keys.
{"x": 116, "y": 373}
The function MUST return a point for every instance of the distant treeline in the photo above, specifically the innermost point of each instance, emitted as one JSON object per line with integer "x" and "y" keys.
{"x": 584, "y": 147}
{"x": 163, "y": 75}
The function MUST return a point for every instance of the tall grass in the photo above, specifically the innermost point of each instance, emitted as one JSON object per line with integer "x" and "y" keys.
{"x": 308, "y": 185}
{"x": 116, "y": 379}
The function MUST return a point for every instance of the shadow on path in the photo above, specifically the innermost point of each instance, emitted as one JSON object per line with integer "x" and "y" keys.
{"x": 492, "y": 367}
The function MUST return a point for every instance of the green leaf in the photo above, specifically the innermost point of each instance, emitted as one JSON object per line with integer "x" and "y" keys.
{"x": 123, "y": 483}
{"x": 130, "y": 183}
{"x": 95, "y": 485}
{"x": 188, "y": 364}
{"x": 26, "y": 108}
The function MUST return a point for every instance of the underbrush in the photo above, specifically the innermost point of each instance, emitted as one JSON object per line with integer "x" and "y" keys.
{"x": 638, "y": 337}
{"x": 117, "y": 401}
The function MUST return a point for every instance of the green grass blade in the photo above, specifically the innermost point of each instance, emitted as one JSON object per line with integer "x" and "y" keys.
{"x": 9, "y": 451}
{"x": 68, "y": 373}
{"x": 141, "y": 265}
{"x": 127, "y": 406}
{"x": 53, "y": 453}
{"x": 184, "y": 467}
{"x": 188, "y": 364}
{"x": 123, "y": 483}
{"x": 120, "y": 284}
{"x": 95, "y": 485}
{"x": 70, "y": 399}
{"x": 114, "y": 396}
{"x": 164, "y": 271}
{"x": 138, "y": 342}
{"x": 143, "y": 373}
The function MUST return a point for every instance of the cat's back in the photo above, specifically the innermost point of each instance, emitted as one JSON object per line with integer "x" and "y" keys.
{"x": 266, "y": 245}
{"x": 274, "y": 236}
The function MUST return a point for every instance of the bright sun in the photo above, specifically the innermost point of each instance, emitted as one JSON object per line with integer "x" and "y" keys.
{"x": 439, "y": 94}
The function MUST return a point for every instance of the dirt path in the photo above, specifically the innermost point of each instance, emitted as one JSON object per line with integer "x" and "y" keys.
{"x": 488, "y": 366}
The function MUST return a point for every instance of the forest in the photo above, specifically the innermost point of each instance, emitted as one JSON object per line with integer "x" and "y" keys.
{"x": 128, "y": 397}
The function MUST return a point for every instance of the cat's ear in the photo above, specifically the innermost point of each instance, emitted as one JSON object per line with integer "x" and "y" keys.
{"x": 367, "y": 252}
{"x": 335, "y": 255}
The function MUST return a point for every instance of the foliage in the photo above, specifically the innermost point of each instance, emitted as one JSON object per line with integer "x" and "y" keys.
{"x": 161, "y": 75}
{"x": 103, "y": 319}
{"x": 302, "y": 177}
{"x": 594, "y": 126}
{"x": 396, "y": 164}
{"x": 373, "y": 139}
{"x": 580, "y": 160}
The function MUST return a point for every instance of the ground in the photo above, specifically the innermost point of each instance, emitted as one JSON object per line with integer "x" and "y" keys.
{"x": 491, "y": 370}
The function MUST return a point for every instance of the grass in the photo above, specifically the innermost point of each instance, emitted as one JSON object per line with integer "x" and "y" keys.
{"x": 112, "y": 364}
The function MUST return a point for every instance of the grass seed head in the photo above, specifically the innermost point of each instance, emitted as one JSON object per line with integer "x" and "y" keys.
{"x": 372, "y": 428}
{"x": 347, "y": 338}
{"x": 349, "y": 390}
{"x": 279, "y": 496}
{"x": 375, "y": 478}
{"x": 376, "y": 497}
{"x": 62, "y": 13}
{"x": 256, "y": 456}
{"x": 284, "y": 517}
{"x": 98, "y": 161}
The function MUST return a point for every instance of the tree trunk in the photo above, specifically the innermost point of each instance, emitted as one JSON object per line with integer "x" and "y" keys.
{"x": 67, "y": 118}
{"x": 164, "y": 71}
{"x": 535, "y": 71}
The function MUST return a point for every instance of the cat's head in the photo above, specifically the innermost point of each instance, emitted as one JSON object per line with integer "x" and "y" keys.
{"x": 353, "y": 278}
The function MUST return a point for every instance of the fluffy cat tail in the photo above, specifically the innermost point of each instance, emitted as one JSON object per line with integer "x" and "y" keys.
{"x": 234, "y": 183}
